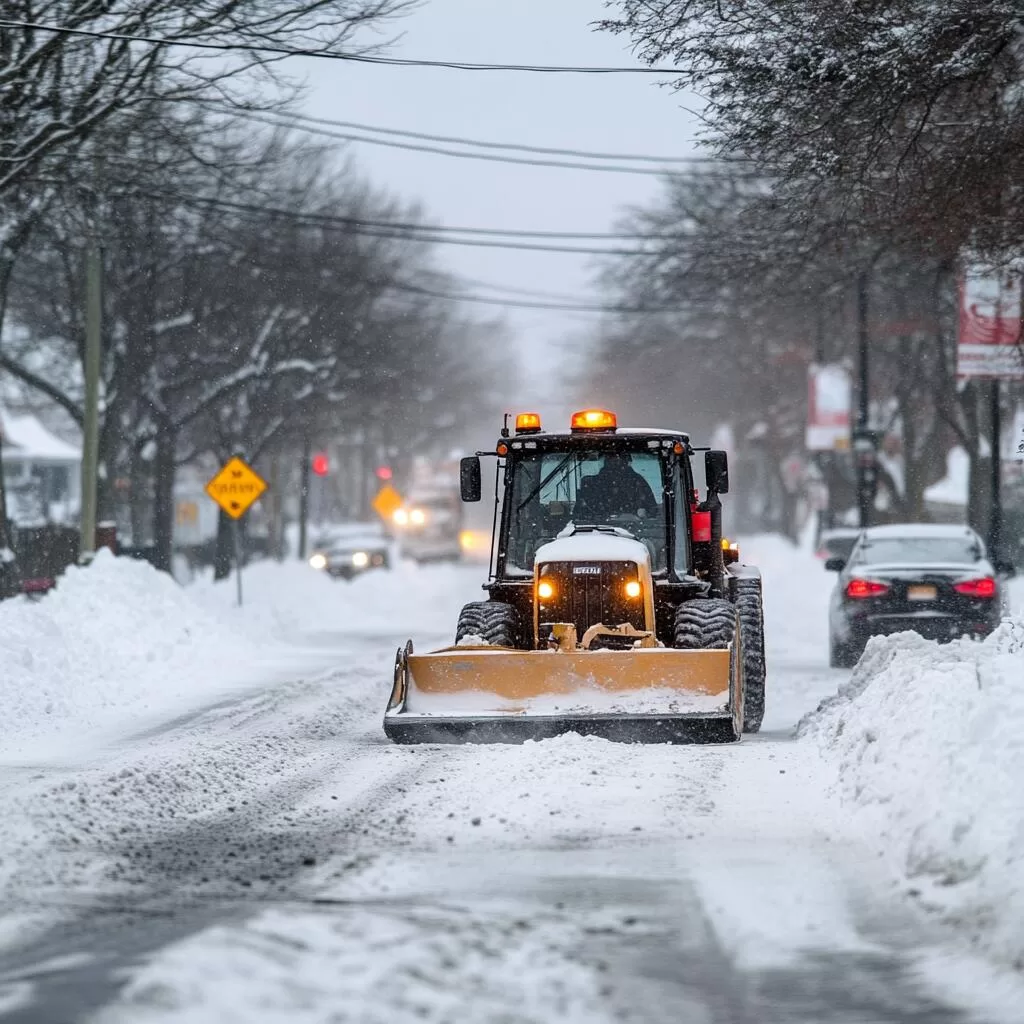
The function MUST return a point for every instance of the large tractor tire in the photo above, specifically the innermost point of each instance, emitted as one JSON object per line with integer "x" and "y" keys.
{"x": 494, "y": 622}
{"x": 705, "y": 623}
{"x": 751, "y": 612}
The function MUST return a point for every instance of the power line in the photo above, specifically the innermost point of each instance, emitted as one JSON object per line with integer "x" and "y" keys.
{"x": 566, "y": 307}
{"x": 523, "y": 147}
{"x": 441, "y": 151}
{"x": 382, "y": 229}
{"x": 358, "y": 58}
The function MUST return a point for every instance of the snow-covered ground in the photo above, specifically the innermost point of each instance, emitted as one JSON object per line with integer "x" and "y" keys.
{"x": 240, "y": 843}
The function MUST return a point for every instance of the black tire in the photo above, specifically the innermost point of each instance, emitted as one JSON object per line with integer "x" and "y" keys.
{"x": 842, "y": 655}
{"x": 705, "y": 623}
{"x": 750, "y": 609}
{"x": 494, "y": 621}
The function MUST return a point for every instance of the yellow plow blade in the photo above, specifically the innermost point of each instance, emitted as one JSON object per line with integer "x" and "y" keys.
{"x": 647, "y": 694}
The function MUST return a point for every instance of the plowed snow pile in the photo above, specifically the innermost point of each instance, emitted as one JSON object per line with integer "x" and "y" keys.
{"x": 115, "y": 641}
{"x": 927, "y": 742}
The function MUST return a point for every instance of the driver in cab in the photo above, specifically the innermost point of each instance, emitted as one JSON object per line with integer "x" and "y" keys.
{"x": 616, "y": 489}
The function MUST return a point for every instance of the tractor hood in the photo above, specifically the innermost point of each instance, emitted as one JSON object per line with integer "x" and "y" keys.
{"x": 593, "y": 546}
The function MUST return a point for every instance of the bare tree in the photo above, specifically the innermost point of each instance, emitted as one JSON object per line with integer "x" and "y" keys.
{"x": 70, "y": 67}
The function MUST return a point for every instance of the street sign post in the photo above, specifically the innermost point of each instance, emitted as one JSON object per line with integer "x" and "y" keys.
{"x": 990, "y": 348}
{"x": 235, "y": 489}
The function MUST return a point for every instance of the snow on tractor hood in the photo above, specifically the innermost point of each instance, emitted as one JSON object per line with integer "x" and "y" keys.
{"x": 593, "y": 547}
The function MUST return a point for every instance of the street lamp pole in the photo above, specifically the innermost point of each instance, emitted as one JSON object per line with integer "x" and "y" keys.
{"x": 995, "y": 528}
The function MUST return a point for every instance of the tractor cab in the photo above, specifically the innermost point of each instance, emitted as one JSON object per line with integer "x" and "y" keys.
{"x": 606, "y": 484}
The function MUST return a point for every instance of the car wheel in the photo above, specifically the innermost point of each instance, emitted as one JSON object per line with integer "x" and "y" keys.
{"x": 842, "y": 655}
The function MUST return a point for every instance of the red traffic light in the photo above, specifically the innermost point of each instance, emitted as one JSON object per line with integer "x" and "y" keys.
{"x": 383, "y": 472}
{"x": 320, "y": 465}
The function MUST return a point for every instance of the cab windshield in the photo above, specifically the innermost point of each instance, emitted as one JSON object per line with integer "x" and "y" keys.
{"x": 552, "y": 490}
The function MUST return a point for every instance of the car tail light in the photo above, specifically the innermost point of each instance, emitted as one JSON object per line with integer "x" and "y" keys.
{"x": 983, "y": 586}
{"x": 865, "y": 588}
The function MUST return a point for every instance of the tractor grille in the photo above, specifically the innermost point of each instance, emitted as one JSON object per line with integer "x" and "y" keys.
{"x": 589, "y": 593}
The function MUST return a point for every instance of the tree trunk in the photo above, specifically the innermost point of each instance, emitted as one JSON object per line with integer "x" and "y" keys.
{"x": 223, "y": 555}
{"x": 163, "y": 498}
{"x": 10, "y": 578}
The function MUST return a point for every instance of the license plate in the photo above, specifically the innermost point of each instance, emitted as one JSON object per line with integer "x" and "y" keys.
{"x": 921, "y": 593}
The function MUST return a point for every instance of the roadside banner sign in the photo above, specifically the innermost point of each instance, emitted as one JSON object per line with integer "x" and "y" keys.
{"x": 829, "y": 404}
{"x": 236, "y": 487}
{"x": 990, "y": 342}
{"x": 387, "y": 502}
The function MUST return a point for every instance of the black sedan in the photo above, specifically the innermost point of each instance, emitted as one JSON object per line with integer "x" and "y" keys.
{"x": 934, "y": 580}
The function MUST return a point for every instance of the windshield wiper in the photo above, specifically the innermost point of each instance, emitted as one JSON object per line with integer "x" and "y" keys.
{"x": 533, "y": 494}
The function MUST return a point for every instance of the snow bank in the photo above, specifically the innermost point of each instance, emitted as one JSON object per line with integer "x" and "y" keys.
{"x": 927, "y": 745}
{"x": 115, "y": 640}
{"x": 290, "y": 601}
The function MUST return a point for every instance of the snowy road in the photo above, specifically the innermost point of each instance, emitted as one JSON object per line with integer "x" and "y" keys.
{"x": 268, "y": 856}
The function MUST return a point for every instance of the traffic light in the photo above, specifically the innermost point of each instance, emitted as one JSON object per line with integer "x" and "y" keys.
{"x": 383, "y": 472}
{"x": 320, "y": 465}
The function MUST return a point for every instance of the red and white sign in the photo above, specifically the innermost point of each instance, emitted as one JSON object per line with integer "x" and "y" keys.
{"x": 990, "y": 342}
{"x": 829, "y": 402}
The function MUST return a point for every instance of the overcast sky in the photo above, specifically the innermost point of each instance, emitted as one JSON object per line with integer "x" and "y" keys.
{"x": 614, "y": 113}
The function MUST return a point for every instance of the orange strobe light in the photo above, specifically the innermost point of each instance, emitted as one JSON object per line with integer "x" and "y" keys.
{"x": 528, "y": 423}
{"x": 594, "y": 419}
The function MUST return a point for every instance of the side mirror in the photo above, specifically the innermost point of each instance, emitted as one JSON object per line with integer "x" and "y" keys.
{"x": 469, "y": 478}
{"x": 835, "y": 564}
{"x": 716, "y": 471}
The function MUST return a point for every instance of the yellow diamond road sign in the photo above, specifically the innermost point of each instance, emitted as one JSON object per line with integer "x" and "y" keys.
{"x": 236, "y": 487}
{"x": 387, "y": 502}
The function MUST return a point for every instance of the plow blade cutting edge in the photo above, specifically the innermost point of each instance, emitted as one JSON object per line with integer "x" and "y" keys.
{"x": 497, "y": 694}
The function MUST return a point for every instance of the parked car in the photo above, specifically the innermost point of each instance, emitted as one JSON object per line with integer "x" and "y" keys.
{"x": 349, "y": 550}
{"x": 837, "y": 542}
{"x": 936, "y": 580}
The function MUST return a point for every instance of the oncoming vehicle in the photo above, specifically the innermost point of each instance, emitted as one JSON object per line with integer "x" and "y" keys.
{"x": 615, "y": 606}
{"x": 347, "y": 551}
{"x": 430, "y": 525}
{"x": 933, "y": 579}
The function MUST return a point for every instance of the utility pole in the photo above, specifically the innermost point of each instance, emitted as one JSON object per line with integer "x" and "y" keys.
{"x": 863, "y": 439}
{"x": 995, "y": 528}
{"x": 90, "y": 438}
{"x": 307, "y": 455}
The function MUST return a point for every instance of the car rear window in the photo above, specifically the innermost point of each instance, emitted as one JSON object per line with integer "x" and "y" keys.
{"x": 914, "y": 550}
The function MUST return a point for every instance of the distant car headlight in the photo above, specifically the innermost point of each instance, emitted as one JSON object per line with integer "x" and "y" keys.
{"x": 360, "y": 559}
{"x": 401, "y": 517}
{"x": 318, "y": 561}
{"x": 418, "y": 516}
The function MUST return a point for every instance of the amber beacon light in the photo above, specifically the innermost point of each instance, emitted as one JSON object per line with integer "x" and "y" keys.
{"x": 528, "y": 423}
{"x": 594, "y": 419}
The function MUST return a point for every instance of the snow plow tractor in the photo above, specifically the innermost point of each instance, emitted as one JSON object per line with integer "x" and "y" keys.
{"x": 615, "y": 607}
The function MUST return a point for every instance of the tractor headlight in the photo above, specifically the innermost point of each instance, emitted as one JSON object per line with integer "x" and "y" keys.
{"x": 633, "y": 589}
{"x": 545, "y": 590}
{"x": 360, "y": 559}
{"x": 318, "y": 561}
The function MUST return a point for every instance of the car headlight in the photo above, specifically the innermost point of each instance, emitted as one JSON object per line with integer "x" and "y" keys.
{"x": 418, "y": 516}
{"x": 318, "y": 561}
{"x": 360, "y": 559}
{"x": 401, "y": 517}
